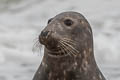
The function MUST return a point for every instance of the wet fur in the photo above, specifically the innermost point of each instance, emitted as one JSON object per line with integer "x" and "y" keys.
{"x": 70, "y": 56}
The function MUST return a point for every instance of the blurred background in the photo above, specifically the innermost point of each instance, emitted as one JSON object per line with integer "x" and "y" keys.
{"x": 22, "y": 20}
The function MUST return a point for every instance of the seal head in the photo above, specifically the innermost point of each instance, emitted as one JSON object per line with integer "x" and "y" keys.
{"x": 68, "y": 52}
{"x": 70, "y": 28}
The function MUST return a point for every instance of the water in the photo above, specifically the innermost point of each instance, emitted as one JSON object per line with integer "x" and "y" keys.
{"x": 22, "y": 20}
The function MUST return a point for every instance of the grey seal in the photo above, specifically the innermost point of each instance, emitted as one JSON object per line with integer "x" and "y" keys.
{"x": 68, "y": 52}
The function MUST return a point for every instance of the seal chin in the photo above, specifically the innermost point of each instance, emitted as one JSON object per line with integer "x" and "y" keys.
{"x": 55, "y": 53}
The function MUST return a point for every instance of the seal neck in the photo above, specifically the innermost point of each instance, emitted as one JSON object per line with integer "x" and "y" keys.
{"x": 83, "y": 65}
{"x": 85, "y": 60}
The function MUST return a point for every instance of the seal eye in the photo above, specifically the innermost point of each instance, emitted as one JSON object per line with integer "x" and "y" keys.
{"x": 68, "y": 22}
{"x": 50, "y": 20}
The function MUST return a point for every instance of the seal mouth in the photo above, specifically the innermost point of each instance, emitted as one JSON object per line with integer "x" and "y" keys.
{"x": 56, "y": 53}
{"x": 64, "y": 47}
{"x": 54, "y": 49}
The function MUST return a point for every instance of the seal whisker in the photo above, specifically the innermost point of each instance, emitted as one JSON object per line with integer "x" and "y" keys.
{"x": 36, "y": 44}
{"x": 74, "y": 51}
{"x": 70, "y": 46}
{"x": 69, "y": 49}
{"x": 65, "y": 50}
{"x": 37, "y": 47}
{"x": 68, "y": 41}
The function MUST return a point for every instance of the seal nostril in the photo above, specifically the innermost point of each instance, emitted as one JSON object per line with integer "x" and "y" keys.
{"x": 45, "y": 33}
